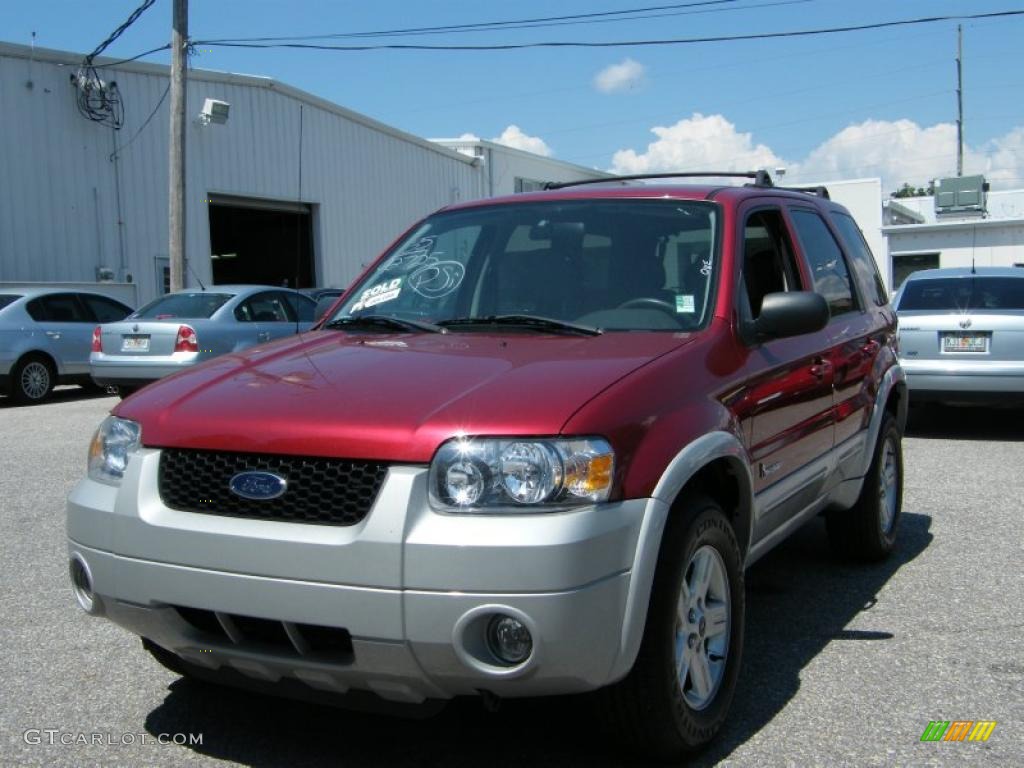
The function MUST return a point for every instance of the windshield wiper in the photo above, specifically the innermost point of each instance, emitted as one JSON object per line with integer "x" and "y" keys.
{"x": 385, "y": 322}
{"x": 526, "y": 321}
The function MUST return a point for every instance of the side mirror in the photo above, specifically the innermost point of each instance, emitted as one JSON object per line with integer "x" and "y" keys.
{"x": 791, "y": 314}
{"x": 322, "y": 306}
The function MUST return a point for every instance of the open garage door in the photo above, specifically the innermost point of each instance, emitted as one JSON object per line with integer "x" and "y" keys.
{"x": 261, "y": 241}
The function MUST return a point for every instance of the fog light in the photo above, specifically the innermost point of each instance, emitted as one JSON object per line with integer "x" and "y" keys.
{"x": 81, "y": 582}
{"x": 509, "y": 639}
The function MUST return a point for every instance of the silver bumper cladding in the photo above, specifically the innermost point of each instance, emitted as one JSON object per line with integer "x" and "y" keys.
{"x": 412, "y": 588}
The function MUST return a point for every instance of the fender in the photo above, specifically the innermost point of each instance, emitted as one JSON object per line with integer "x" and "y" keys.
{"x": 894, "y": 377}
{"x": 689, "y": 461}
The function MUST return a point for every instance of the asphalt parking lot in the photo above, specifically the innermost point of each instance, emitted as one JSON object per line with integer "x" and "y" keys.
{"x": 844, "y": 664}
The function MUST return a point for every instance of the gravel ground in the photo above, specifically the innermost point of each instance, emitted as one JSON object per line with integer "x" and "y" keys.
{"x": 845, "y": 665}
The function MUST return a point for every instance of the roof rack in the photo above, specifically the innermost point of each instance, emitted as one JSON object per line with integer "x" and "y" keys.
{"x": 820, "y": 190}
{"x": 761, "y": 178}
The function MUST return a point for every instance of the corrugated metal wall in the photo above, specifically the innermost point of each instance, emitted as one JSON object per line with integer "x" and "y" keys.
{"x": 63, "y": 185}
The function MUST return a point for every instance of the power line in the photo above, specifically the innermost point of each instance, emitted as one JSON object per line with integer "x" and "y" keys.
{"x": 119, "y": 31}
{"x": 505, "y": 26}
{"x": 120, "y": 149}
{"x": 150, "y": 52}
{"x": 619, "y": 43}
{"x": 484, "y": 25}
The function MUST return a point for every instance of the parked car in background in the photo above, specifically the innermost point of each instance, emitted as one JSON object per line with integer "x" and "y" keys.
{"x": 44, "y": 338}
{"x": 324, "y": 298}
{"x": 176, "y": 331}
{"x": 961, "y": 335}
{"x": 531, "y": 453}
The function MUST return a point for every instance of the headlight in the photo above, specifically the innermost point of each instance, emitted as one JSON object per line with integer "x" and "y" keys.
{"x": 491, "y": 474}
{"x": 112, "y": 445}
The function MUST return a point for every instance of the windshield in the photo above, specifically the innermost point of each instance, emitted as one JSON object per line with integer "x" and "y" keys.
{"x": 184, "y": 305}
{"x": 7, "y": 298}
{"x": 963, "y": 293}
{"x": 610, "y": 265}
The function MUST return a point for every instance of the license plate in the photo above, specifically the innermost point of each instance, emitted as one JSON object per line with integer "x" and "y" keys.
{"x": 135, "y": 344}
{"x": 964, "y": 342}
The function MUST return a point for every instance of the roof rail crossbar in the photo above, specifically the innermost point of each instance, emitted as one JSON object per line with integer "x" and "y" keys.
{"x": 761, "y": 178}
{"x": 820, "y": 190}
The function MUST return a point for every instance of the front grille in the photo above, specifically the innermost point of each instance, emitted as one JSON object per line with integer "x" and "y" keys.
{"x": 320, "y": 490}
{"x": 319, "y": 643}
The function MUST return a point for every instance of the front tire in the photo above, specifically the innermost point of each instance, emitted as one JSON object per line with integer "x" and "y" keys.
{"x": 33, "y": 380}
{"x": 867, "y": 531}
{"x": 677, "y": 696}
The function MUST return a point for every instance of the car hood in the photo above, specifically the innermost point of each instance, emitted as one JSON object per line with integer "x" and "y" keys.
{"x": 387, "y": 397}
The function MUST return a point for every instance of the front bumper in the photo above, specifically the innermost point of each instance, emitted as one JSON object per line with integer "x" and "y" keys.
{"x": 414, "y": 589}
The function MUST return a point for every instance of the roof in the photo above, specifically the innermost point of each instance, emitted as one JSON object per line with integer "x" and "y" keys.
{"x": 71, "y": 59}
{"x": 934, "y": 274}
{"x": 613, "y": 190}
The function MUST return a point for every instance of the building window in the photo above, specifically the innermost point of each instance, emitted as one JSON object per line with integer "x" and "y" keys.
{"x": 905, "y": 264}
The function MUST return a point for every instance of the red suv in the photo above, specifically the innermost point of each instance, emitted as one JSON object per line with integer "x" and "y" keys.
{"x": 531, "y": 451}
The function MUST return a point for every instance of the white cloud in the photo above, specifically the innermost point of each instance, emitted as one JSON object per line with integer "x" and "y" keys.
{"x": 697, "y": 143}
{"x": 514, "y": 137}
{"x": 468, "y": 137}
{"x": 619, "y": 77}
{"x": 897, "y": 151}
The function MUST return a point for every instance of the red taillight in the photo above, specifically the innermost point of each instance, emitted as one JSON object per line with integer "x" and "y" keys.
{"x": 186, "y": 341}
{"x": 97, "y": 339}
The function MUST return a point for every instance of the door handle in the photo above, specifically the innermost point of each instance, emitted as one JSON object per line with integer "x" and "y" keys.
{"x": 263, "y": 336}
{"x": 53, "y": 334}
{"x": 870, "y": 348}
{"x": 821, "y": 368}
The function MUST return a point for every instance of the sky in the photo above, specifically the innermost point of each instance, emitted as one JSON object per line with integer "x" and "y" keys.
{"x": 856, "y": 104}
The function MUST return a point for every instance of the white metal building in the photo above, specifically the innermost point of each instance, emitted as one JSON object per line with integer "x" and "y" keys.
{"x": 507, "y": 170}
{"x": 917, "y": 238}
{"x": 291, "y": 188}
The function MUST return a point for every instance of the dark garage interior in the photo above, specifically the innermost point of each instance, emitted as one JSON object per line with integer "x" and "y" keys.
{"x": 262, "y": 243}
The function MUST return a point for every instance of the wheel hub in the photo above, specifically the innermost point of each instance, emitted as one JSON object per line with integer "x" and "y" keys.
{"x": 702, "y": 627}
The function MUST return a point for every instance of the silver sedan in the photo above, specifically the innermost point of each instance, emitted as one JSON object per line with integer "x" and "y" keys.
{"x": 961, "y": 335}
{"x": 181, "y": 329}
{"x": 44, "y": 338}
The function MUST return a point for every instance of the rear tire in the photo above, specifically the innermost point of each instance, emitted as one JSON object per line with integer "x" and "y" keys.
{"x": 33, "y": 379}
{"x": 677, "y": 696}
{"x": 867, "y": 531}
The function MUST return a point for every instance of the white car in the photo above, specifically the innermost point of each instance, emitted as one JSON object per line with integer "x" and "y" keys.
{"x": 961, "y": 335}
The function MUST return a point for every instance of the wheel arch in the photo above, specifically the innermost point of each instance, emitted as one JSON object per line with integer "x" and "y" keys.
{"x": 715, "y": 464}
{"x": 41, "y": 353}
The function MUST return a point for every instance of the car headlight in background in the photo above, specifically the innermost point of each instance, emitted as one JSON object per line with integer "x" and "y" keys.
{"x": 488, "y": 474}
{"x": 114, "y": 441}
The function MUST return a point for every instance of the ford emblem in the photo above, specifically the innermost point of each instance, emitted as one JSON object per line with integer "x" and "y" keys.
{"x": 258, "y": 486}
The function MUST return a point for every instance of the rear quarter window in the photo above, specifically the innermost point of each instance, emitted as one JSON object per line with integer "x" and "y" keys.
{"x": 7, "y": 298}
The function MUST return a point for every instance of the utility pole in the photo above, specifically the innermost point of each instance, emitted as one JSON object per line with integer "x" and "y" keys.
{"x": 959, "y": 101}
{"x": 176, "y": 220}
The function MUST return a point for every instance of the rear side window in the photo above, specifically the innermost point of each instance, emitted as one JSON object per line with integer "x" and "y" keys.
{"x": 7, "y": 298}
{"x": 962, "y": 293}
{"x": 863, "y": 261}
{"x": 185, "y": 305}
{"x": 303, "y": 306}
{"x": 106, "y": 310}
{"x": 58, "y": 308}
{"x": 828, "y": 267}
{"x": 263, "y": 308}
